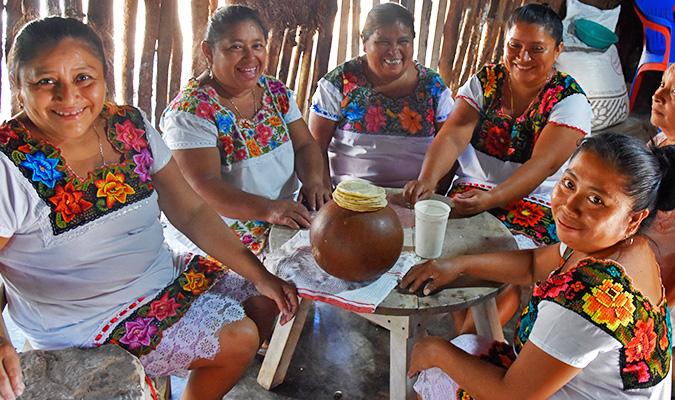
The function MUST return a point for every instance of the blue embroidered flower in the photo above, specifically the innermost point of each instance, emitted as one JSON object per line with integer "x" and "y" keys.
{"x": 553, "y": 233}
{"x": 44, "y": 168}
{"x": 354, "y": 112}
{"x": 613, "y": 272}
{"x": 224, "y": 123}
{"x": 526, "y": 322}
{"x": 436, "y": 86}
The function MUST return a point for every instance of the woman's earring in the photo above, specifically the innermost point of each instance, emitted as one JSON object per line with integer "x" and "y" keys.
{"x": 208, "y": 68}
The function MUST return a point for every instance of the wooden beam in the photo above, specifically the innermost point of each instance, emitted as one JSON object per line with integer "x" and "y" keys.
{"x": 304, "y": 75}
{"x": 200, "y": 18}
{"x": 295, "y": 60}
{"x": 356, "y": 27}
{"x": 73, "y": 9}
{"x": 425, "y": 22}
{"x": 176, "y": 57}
{"x": 30, "y": 9}
{"x": 286, "y": 54}
{"x": 450, "y": 39}
{"x": 13, "y": 9}
{"x": 148, "y": 56}
{"x": 54, "y": 7}
{"x": 438, "y": 33}
{"x": 167, "y": 25}
{"x": 342, "y": 37}
{"x": 274, "y": 51}
{"x": 324, "y": 44}
{"x": 129, "y": 50}
{"x": 99, "y": 15}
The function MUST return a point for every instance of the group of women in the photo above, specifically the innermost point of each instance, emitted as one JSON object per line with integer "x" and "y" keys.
{"x": 82, "y": 249}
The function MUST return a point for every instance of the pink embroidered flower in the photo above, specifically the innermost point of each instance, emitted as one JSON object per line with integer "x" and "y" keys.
{"x": 138, "y": 332}
{"x": 163, "y": 307}
{"x": 349, "y": 82}
{"x": 552, "y": 286}
{"x": 640, "y": 369}
{"x": 6, "y": 133}
{"x": 240, "y": 154}
{"x": 548, "y": 100}
{"x": 263, "y": 134}
{"x": 247, "y": 239}
{"x": 143, "y": 162}
{"x": 375, "y": 119}
{"x": 642, "y": 345}
{"x": 130, "y": 136}
{"x": 204, "y": 110}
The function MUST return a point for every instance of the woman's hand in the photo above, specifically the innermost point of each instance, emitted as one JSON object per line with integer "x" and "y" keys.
{"x": 471, "y": 202}
{"x": 417, "y": 190}
{"x": 431, "y": 275}
{"x": 11, "y": 379}
{"x": 289, "y": 213}
{"x": 281, "y": 292}
{"x": 315, "y": 195}
{"x": 425, "y": 352}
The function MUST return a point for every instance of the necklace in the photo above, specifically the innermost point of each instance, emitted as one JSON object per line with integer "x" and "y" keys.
{"x": 100, "y": 146}
{"x": 513, "y": 109}
{"x": 222, "y": 90}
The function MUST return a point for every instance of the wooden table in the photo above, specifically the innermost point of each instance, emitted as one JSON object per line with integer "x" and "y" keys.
{"x": 405, "y": 315}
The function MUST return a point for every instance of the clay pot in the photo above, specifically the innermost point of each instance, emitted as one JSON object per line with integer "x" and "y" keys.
{"x": 355, "y": 246}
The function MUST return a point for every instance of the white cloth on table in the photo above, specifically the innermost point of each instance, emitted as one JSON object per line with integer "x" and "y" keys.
{"x": 294, "y": 262}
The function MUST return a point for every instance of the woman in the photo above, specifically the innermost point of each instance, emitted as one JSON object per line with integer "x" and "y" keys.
{"x": 375, "y": 116}
{"x": 81, "y": 247}
{"x": 239, "y": 137}
{"x": 597, "y": 325}
{"x": 662, "y": 231}
{"x": 514, "y": 126}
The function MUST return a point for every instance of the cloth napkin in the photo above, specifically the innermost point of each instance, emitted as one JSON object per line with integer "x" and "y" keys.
{"x": 294, "y": 262}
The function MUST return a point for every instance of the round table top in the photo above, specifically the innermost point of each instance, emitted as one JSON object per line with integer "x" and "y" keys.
{"x": 474, "y": 235}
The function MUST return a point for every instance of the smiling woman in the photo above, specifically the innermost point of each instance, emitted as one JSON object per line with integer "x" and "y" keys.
{"x": 375, "y": 116}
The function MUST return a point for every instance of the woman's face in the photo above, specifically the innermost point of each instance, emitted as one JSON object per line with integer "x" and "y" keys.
{"x": 389, "y": 51}
{"x": 63, "y": 90}
{"x": 663, "y": 104}
{"x": 529, "y": 54}
{"x": 590, "y": 209}
{"x": 238, "y": 58}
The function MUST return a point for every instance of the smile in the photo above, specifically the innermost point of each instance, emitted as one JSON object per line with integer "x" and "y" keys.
{"x": 393, "y": 61}
{"x": 69, "y": 113}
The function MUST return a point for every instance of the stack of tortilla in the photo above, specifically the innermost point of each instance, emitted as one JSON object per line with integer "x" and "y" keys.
{"x": 359, "y": 196}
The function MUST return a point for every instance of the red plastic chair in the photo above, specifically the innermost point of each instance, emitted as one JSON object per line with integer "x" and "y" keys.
{"x": 659, "y": 29}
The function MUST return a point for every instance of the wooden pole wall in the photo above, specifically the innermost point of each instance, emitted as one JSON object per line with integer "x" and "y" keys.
{"x": 129, "y": 50}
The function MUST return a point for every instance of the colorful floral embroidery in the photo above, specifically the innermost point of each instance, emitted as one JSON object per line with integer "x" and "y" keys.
{"x": 239, "y": 140}
{"x": 508, "y": 139}
{"x": 368, "y": 111}
{"x": 600, "y": 292}
{"x": 523, "y": 216}
{"x": 500, "y": 354}
{"x": 109, "y": 187}
{"x": 142, "y": 330}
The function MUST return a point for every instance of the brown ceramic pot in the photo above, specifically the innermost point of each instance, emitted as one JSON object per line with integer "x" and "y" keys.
{"x": 355, "y": 246}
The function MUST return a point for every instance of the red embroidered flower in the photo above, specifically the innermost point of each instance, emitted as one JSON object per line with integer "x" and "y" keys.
{"x": 113, "y": 189}
{"x": 349, "y": 82}
{"x": 240, "y": 155}
{"x": 130, "y": 136}
{"x": 553, "y": 286}
{"x": 497, "y": 141}
{"x": 210, "y": 265}
{"x": 526, "y": 214}
{"x": 263, "y": 134}
{"x": 283, "y": 104}
{"x": 204, "y": 110}
{"x": 549, "y": 99}
{"x": 664, "y": 342}
{"x": 640, "y": 369}
{"x": 226, "y": 142}
{"x": 430, "y": 115}
{"x": 642, "y": 345}
{"x": 375, "y": 119}
{"x": 69, "y": 202}
{"x": 7, "y": 133}
{"x": 163, "y": 307}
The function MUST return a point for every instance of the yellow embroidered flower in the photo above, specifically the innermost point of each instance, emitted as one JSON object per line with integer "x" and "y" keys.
{"x": 253, "y": 148}
{"x": 113, "y": 189}
{"x": 491, "y": 83}
{"x": 196, "y": 282}
{"x": 610, "y": 305}
{"x": 274, "y": 121}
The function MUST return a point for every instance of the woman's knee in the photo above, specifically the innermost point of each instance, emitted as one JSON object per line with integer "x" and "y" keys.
{"x": 240, "y": 339}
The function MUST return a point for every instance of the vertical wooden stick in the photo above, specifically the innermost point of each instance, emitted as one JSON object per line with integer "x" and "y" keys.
{"x": 295, "y": 61}
{"x": 129, "y": 50}
{"x": 303, "y": 83}
{"x": 450, "y": 39}
{"x": 148, "y": 56}
{"x": 342, "y": 38}
{"x": 99, "y": 15}
{"x": 438, "y": 33}
{"x": 274, "y": 51}
{"x": 164, "y": 41}
{"x": 324, "y": 44}
{"x": 200, "y": 18}
{"x": 356, "y": 27}
{"x": 425, "y": 21}
{"x": 176, "y": 57}
{"x": 286, "y": 53}
{"x": 73, "y": 9}
{"x": 54, "y": 7}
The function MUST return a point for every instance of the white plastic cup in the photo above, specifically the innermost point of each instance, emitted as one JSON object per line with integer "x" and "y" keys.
{"x": 431, "y": 219}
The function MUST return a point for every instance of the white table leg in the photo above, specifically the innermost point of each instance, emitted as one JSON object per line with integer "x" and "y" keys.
{"x": 486, "y": 318}
{"x": 282, "y": 346}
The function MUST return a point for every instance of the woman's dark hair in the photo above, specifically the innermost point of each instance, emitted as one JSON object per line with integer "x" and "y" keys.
{"x": 386, "y": 14}
{"x": 538, "y": 14}
{"x": 225, "y": 17}
{"x": 649, "y": 170}
{"x": 40, "y": 35}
